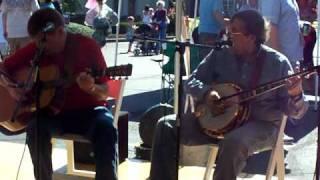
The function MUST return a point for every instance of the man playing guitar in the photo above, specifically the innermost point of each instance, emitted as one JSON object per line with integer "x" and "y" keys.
{"x": 247, "y": 64}
{"x": 78, "y": 104}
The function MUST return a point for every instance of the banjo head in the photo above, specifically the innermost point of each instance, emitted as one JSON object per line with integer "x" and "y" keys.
{"x": 215, "y": 124}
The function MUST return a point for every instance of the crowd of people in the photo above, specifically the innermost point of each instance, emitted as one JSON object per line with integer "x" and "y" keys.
{"x": 156, "y": 20}
{"x": 37, "y": 29}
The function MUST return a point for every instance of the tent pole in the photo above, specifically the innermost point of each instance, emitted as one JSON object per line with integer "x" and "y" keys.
{"x": 117, "y": 32}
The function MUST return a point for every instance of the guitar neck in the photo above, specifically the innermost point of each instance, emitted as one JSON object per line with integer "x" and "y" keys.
{"x": 258, "y": 91}
{"x": 269, "y": 86}
{"x": 115, "y": 71}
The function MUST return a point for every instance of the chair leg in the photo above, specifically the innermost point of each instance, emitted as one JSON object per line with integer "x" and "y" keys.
{"x": 211, "y": 160}
{"x": 277, "y": 154}
{"x": 70, "y": 156}
{"x": 280, "y": 162}
{"x": 70, "y": 162}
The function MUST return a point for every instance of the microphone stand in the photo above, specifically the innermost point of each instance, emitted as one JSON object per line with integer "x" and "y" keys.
{"x": 37, "y": 84}
{"x": 33, "y": 80}
{"x": 180, "y": 48}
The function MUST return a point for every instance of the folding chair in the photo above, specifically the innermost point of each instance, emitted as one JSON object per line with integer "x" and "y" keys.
{"x": 116, "y": 88}
{"x": 276, "y": 159}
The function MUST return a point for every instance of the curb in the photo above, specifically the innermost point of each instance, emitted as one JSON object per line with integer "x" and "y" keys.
{"x": 121, "y": 38}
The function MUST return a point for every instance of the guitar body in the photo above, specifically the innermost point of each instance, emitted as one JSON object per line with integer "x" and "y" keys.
{"x": 49, "y": 78}
{"x": 8, "y": 104}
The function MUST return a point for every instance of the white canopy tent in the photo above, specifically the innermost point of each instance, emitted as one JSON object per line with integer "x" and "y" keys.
{"x": 117, "y": 32}
{"x": 317, "y": 58}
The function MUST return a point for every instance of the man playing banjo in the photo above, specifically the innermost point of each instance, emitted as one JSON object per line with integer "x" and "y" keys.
{"x": 245, "y": 65}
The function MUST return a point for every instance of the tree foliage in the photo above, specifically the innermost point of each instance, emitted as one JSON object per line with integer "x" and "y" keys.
{"x": 74, "y": 6}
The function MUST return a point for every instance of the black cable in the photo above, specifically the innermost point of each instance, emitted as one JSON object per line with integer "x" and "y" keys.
{"x": 21, "y": 159}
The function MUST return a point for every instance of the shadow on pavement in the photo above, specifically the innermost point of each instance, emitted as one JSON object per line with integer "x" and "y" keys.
{"x": 297, "y": 129}
{"x": 258, "y": 164}
{"x": 137, "y": 104}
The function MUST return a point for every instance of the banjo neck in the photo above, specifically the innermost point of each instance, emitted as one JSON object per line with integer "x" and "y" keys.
{"x": 249, "y": 94}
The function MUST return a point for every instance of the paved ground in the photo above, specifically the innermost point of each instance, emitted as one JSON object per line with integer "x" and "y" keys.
{"x": 143, "y": 91}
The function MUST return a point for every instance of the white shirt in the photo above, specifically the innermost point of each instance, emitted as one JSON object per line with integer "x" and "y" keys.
{"x": 2, "y": 39}
{"x": 18, "y": 14}
{"x": 146, "y": 19}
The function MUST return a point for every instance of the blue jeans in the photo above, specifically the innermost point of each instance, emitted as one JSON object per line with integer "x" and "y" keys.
{"x": 94, "y": 123}
{"x": 161, "y": 35}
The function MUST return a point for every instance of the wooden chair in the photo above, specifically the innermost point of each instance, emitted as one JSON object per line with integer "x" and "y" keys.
{"x": 116, "y": 88}
{"x": 276, "y": 159}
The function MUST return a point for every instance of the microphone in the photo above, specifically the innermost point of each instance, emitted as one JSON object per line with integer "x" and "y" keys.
{"x": 49, "y": 27}
{"x": 223, "y": 43}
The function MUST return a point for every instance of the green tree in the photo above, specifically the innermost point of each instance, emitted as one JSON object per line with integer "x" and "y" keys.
{"x": 74, "y": 6}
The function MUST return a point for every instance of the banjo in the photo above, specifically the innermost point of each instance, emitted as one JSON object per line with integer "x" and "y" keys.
{"x": 231, "y": 109}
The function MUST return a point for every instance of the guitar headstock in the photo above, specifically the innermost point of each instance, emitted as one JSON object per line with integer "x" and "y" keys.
{"x": 114, "y": 71}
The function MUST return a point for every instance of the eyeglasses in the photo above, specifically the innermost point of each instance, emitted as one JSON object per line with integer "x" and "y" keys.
{"x": 236, "y": 33}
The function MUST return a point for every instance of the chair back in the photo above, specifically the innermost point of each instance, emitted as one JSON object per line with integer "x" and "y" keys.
{"x": 116, "y": 89}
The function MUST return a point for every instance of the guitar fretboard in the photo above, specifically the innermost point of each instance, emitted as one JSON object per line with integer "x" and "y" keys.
{"x": 269, "y": 86}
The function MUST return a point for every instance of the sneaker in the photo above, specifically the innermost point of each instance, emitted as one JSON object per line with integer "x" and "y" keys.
{"x": 288, "y": 139}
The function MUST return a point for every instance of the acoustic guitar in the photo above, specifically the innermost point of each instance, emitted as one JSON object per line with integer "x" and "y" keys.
{"x": 14, "y": 116}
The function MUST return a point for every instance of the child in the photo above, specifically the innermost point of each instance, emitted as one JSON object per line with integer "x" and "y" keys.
{"x": 146, "y": 15}
{"x": 4, "y": 49}
{"x": 130, "y": 31}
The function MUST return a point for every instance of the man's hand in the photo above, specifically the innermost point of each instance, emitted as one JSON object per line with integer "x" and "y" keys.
{"x": 212, "y": 96}
{"x": 216, "y": 107}
{"x": 16, "y": 93}
{"x": 294, "y": 86}
{"x": 86, "y": 82}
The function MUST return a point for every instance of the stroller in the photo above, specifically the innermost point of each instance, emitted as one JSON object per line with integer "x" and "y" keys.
{"x": 146, "y": 47}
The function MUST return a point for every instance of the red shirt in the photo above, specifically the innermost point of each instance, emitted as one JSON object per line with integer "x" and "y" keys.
{"x": 85, "y": 53}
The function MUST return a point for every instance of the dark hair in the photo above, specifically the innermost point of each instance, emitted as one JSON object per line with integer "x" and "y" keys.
{"x": 41, "y": 18}
{"x": 195, "y": 35}
{"x": 254, "y": 24}
{"x": 146, "y": 7}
